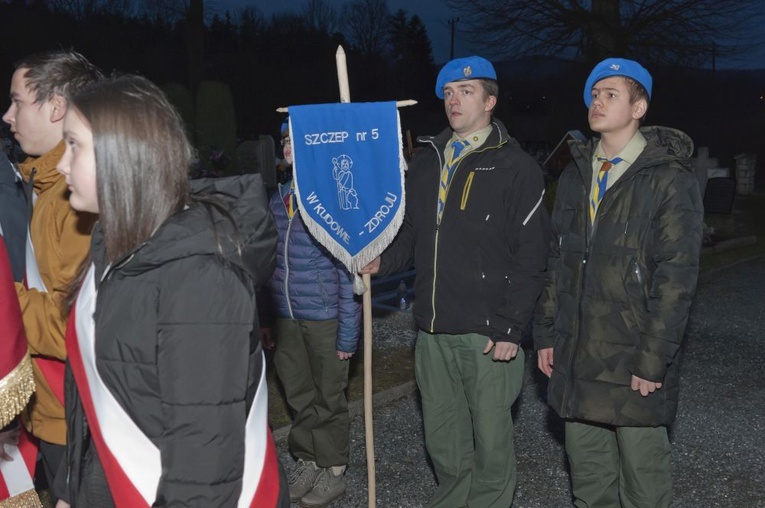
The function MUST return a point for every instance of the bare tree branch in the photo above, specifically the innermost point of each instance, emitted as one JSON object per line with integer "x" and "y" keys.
{"x": 170, "y": 10}
{"x": 82, "y": 9}
{"x": 687, "y": 31}
{"x": 320, "y": 16}
{"x": 367, "y": 24}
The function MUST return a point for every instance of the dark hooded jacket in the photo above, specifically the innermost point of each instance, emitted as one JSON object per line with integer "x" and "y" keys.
{"x": 13, "y": 216}
{"x": 177, "y": 344}
{"x": 619, "y": 289}
{"x": 481, "y": 270}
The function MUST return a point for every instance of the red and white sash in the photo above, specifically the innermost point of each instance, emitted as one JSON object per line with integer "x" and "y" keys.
{"x": 130, "y": 460}
{"x": 16, "y": 485}
{"x": 52, "y": 369}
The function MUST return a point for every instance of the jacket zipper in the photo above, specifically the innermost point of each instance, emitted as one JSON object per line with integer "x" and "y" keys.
{"x": 585, "y": 256}
{"x": 435, "y": 247}
{"x": 435, "y": 244}
{"x": 438, "y": 222}
{"x": 572, "y": 365}
{"x": 287, "y": 265}
{"x": 641, "y": 280}
{"x": 435, "y": 265}
{"x": 587, "y": 238}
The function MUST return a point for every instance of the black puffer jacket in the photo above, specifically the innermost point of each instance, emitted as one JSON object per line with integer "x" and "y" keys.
{"x": 482, "y": 269}
{"x": 177, "y": 343}
{"x": 619, "y": 290}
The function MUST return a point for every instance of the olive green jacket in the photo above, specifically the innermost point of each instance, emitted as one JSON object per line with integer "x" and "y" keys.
{"x": 619, "y": 289}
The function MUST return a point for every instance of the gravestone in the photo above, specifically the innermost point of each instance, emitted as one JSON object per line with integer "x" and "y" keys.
{"x": 719, "y": 195}
{"x": 258, "y": 156}
{"x": 745, "y": 170}
{"x": 246, "y": 157}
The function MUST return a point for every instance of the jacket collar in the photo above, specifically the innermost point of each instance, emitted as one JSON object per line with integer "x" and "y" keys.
{"x": 663, "y": 145}
{"x": 44, "y": 166}
{"x": 497, "y": 137}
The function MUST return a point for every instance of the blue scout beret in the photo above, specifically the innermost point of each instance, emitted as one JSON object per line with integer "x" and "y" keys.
{"x": 617, "y": 67}
{"x": 460, "y": 69}
{"x": 285, "y": 125}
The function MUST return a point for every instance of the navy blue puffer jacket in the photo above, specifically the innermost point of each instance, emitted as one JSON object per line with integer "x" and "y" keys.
{"x": 309, "y": 283}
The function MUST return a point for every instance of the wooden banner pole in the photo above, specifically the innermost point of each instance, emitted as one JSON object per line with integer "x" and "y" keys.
{"x": 345, "y": 96}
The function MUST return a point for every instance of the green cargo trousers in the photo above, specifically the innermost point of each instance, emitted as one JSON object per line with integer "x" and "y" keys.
{"x": 314, "y": 381}
{"x": 613, "y": 467}
{"x": 466, "y": 401}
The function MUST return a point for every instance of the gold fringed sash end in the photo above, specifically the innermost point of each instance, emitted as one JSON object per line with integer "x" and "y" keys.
{"x": 28, "y": 499}
{"x": 15, "y": 390}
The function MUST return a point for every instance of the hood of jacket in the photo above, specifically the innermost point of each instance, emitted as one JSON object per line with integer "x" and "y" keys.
{"x": 663, "y": 145}
{"x": 243, "y": 234}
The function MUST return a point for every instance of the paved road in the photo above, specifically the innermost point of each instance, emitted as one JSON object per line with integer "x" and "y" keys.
{"x": 718, "y": 439}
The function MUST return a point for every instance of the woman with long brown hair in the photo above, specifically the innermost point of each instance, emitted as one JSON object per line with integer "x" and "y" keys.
{"x": 166, "y": 404}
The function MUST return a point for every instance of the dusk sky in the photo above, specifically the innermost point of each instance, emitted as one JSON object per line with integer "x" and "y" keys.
{"x": 435, "y": 14}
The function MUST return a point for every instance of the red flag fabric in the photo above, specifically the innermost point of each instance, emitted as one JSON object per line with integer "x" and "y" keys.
{"x": 16, "y": 387}
{"x": 16, "y": 376}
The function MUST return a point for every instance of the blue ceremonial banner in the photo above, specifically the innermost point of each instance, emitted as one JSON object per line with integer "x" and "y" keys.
{"x": 349, "y": 176}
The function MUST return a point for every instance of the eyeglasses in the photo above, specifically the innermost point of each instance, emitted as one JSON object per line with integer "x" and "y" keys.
{"x": 286, "y": 141}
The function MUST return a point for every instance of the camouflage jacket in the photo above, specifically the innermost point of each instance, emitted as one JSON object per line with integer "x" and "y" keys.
{"x": 619, "y": 289}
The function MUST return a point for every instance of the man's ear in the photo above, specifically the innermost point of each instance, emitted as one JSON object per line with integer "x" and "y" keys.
{"x": 491, "y": 101}
{"x": 58, "y": 108}
{"x": 639, "y": 109}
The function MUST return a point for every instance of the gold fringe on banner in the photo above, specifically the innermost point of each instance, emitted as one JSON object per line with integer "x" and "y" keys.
{"x": 28, "y": 499}
{"x": 15, "y": 390}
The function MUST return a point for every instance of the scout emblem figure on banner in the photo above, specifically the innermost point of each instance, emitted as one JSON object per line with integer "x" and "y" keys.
{"x": 349, "y": 177}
